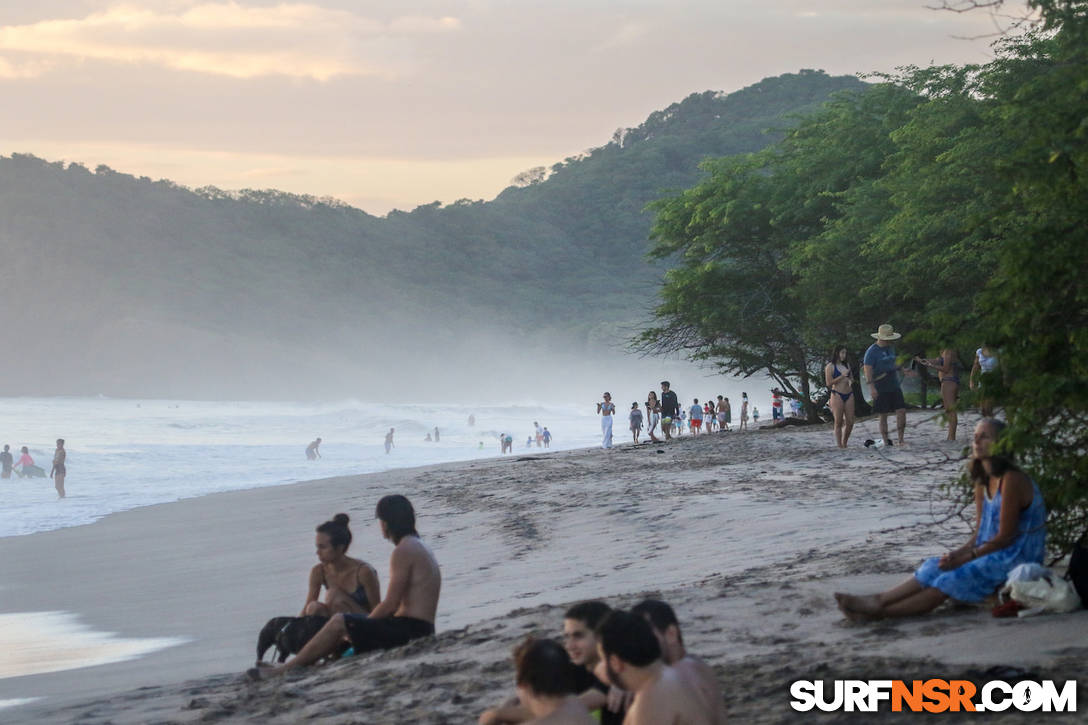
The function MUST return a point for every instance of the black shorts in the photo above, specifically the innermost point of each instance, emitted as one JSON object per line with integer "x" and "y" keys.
{"x": 889, "y": 402}
{"x": 384, "y": 633}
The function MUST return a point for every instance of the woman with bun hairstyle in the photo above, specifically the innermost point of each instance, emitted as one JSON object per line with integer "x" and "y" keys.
{"x": 352, "y": 584}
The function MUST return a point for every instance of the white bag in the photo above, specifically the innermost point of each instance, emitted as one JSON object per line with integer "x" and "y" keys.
{"x": 1049, "y": 593}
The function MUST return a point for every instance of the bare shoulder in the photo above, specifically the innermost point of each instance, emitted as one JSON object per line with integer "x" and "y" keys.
{"x": 1018, "y": 485}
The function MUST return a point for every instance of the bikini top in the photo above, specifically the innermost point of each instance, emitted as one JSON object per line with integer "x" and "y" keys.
{"x": 359, "y": 595}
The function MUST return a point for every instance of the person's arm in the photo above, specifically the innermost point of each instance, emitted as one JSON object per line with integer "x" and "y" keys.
{"x": 869, "y": 379}
{"x": 975, "y": 370}
{"x": 593, "y": 699}
{"x": 313, "y": 593}
{"x": 400, "y": 574}
{"x": 510, "y": 711}
{"x": 962, "y": 555}
{"x": 827, "y": 375}
{"x": 367, "y": 578}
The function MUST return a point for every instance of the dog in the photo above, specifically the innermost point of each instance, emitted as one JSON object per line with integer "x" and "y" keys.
{"x": 288, "y": 635}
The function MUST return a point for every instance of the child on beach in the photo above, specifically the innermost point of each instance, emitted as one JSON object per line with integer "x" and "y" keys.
{"x": 635, "y": 418}
{"x": 547, "y": 437}
{"x": 755, "y": 415}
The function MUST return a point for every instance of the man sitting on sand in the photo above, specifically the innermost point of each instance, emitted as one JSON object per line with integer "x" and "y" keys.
{"x": 691, "y": 669}
{"x": 580, "y": 642}
{"x": 410, "y": 604}
{"x": 632, "y": 659}
{"x": 545, "y": 682}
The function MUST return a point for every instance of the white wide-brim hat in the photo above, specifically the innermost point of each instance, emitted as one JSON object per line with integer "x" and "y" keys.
{"x": 886, "y": 332}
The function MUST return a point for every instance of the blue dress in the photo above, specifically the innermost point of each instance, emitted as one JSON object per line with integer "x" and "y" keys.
{"x": 978, "y": 578}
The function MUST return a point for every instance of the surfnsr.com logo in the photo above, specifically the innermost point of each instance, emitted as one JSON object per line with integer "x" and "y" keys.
{"x": 933, "y": 696}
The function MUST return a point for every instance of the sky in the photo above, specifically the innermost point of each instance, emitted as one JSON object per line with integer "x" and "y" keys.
{"x": 395, "y": 103}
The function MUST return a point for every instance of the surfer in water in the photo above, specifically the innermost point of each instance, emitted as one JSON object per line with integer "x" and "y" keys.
{"x": 389, "y": 440}
{"x": 312, "y": 452}
{"x": 6, "y": 462}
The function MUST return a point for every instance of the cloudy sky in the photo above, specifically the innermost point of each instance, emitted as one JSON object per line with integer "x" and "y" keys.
{"x": 394, "y": 103}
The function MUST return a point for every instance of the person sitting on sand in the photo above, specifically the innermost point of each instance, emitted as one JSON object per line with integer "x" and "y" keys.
{"x": 352, "y": 584}
{"x": 580, "y": 642}
{"x": 410, "y": 605}
{"x": 691, "y": 669}
{"x": 545, "y": 683}
{"x": 1010, "y": 520}
{"x": 312, "y": 454}
{"x": 632, "y": 658}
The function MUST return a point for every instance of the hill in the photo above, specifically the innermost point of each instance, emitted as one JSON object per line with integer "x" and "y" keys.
{"x": 129, "y": 286}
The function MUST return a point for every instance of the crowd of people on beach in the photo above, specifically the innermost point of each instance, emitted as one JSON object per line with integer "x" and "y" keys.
{"x": 714, "y": 414}
{"x": 632, "y": 667}
{"x": 24, "y": 466}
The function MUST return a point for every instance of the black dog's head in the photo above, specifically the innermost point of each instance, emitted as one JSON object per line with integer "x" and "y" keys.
{"x": 268, "y": 635}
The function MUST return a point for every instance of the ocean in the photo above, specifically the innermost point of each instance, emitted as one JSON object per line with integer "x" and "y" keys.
{"x": 124, "y": 453}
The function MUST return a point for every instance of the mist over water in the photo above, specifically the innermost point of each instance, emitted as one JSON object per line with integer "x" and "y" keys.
{"x": 126, "y": 453}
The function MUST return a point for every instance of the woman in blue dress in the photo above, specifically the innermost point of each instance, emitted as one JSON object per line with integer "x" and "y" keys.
{"x": 1010, "y": 530}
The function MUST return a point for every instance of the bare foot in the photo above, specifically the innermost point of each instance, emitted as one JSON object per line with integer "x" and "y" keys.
{"x": 859, "y": 609}
{"x": 264, "y": 671}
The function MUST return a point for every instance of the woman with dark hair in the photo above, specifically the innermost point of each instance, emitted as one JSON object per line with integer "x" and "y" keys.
{"x": 545, "y": 683}
{"x": 351, "y": 584}
{"x": 948, "y": 370}
{"x": 1010, "y": 530}
{"x": 653, "y": 414}
{"x": 839, "y": 380}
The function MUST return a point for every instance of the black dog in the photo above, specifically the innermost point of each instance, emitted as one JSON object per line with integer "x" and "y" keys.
{"x": 288, "y": 634}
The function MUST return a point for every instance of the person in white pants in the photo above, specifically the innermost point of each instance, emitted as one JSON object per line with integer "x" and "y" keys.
{"x": 607, "y": 409}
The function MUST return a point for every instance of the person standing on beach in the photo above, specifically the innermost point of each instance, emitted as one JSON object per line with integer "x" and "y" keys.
{"x": 670, "y": 409}
{"x": 632, "y": 658}
{"x": 547, "y": 437}
{"x": 694, "y": 671}
{"x": 839, "y": 382}
{"x": 983, "y": 368}
{"x": 389, "y": 440}
{"x": 312, "y": 454}
{"x": 776, "y": 405}
{"x": 653, "y": 415}
{"x": 6, "y": 462}
{"x": 744, "y": 411}
{"x": 696, "y": 417}
{"x": 948, "y": 372}
{"x": 539, "y": 434}
{"x": 436, "y": 436}
{"x": 720, "y": 412}
{"x": 58, "y": 471}
{"x": 411, "y": 600}
{"x": 606, "y": 410}
{"x": 882, "y": 372}
{"x": 635, "y": 419}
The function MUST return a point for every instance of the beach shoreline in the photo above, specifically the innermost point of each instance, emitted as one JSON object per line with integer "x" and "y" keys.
{"x": 746, "y": 534}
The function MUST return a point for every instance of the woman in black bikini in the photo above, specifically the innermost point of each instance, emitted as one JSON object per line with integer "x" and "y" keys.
{"x": 352, "y": 584}
{"x": 839, "y": 380}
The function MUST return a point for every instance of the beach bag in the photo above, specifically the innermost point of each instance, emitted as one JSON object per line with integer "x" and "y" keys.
{"x": 1077, "y": 573}
{"x": 1047, "y": 593}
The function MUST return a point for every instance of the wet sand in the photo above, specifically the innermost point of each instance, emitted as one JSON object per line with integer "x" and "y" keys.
{"x": 747, "y": 535}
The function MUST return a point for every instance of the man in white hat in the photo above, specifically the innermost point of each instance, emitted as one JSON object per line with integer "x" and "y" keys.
{"x": 882, "y": 372}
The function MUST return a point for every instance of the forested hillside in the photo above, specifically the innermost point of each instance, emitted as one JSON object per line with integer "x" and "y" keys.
{"x": 124, "y": 285}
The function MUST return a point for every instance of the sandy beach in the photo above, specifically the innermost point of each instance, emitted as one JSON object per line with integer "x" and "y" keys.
{"x": 746, "y": 534}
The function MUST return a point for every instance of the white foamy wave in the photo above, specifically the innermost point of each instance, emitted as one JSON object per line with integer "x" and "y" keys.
{"x": 123, "y": 454}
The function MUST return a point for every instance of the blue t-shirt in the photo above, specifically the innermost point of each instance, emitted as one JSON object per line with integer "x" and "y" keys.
{"x": 885, "y": 369}
{"x": 696, "y": 412}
